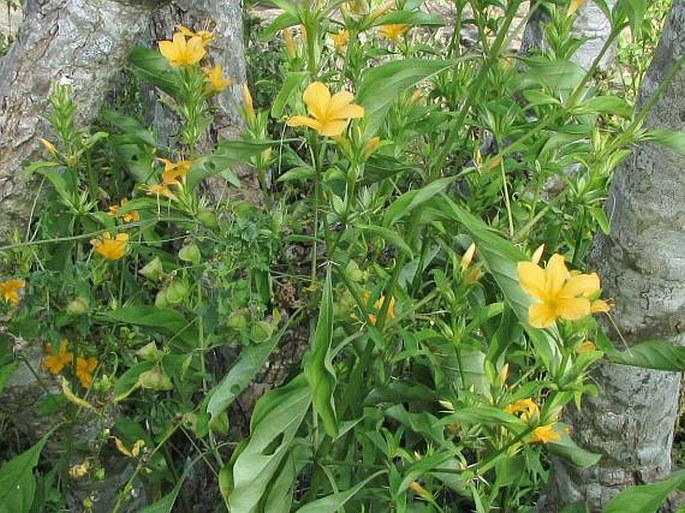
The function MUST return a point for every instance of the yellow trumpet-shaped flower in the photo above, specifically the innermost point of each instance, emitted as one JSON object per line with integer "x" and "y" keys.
{"x": 545, "y": 434}
{"x": 84, "y": 370}
{"x": 175, "y": 172}
{"x": 527, "y": 407}
{"x": 329, "y": 114}
{"x": 110, "y": 248}
{"x": 559, "y": 294}
{"x": 159, "y": 189}
{"x": 215, "y": 78}
{"x": 10, "y": 290}
{"x": 56, "y": 362}
{"x": 393, "y": 31}
{"x": 181, "y": 52}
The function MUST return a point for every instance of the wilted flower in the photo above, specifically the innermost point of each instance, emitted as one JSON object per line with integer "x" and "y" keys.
{"x": 205, "y": 35}
{"x": 329, "y": 114}
{"x": 110, "y": 248}
{"x": 10, "y": 290}
{"x": 215, "y": 78}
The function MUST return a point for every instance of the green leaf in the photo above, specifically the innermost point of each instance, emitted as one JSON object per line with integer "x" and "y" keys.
{"x": 287, "y": 19}
{"x": 380, "y": 85}
{"x": 17, "y": 482}
{"x": 567, "y": 449}
{"x": 407, "y": 18}
{"x": 557, "y": 75}
{"x": 133, "y": 131}
{"x": 227, "y": 155}
{"x": 645, "y": 498}
{"x": 408, "y": 201}
{"x": 151, "y": 66}
{"x": 165, "y": 319}
{"x": 292, "y": 82}
{"x": 612, "y": 105}
{"x": 318, "y": 367}
{"x": 300, "y": 174}
{"x": 652, "y": 354}
{"x": 240, "y": 376}
{"x": 390, "y": 236}
{"x": 635, "y": 11}
{"x": 280, "y": 498}
{"x": 274, "y": 424}
{"x": 333, "y": 502}
{"x": 671, "y": 139}
{"x": 166, "y": 503}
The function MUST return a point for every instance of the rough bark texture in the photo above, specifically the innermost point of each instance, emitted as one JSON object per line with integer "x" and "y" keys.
{"x": 591, "y": 26}
{"x": 80, "y": 42}
{"x": 642, "y": 266}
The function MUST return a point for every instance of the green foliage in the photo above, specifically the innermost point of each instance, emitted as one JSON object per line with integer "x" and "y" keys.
{"x": 383, "y": 254}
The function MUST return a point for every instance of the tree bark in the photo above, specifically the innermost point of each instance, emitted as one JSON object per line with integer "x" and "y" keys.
{"x": 631, "y": 422}
{"x": 80, "y": 42}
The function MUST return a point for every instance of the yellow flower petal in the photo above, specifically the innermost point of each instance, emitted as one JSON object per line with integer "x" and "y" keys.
{"x": 331, "y": 128}
{"x": 572, "y": 309}
{"x": 556, "y": 273}
{"x": 317, "y": 97}
{"x": 10, "y": 290}
{"x": 532, "y": 279}
{"x": 541, "y": 315}
{"x": 581, "y": 284}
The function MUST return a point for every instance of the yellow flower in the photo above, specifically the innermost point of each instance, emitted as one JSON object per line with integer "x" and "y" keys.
{"x": 393, "y": 31}
{"x": 340, "y": 40}
{"x": 545, "y": 434}
{"x": 467, "y": 257}
{"x": 181, "y": 52}
{"x": 159, "y": 189}
{"x": 527, "y": 407}
{"x": 215, "y": 78}
{"x": 128, "y": 217}
{"x": 390, "y": 314}
{"x": 10, "y": 290}
{"x": 175, "y": 172}
{"x": 56, "y": 362}
{"x": 574, "y": 6}
{"x": 205, "y": 35}
{"x": 247, "y": 103}
{"x": 290, "y": 46}
{"x": 110, "y": 248}
{"x": 48, "y": 145}
{"x": 560, "y": 294}
{"x": 371, "y": 146}
{"x": 84, "y": 370}
{"x": 586, "y": 347}
{"x": 330, "y": 115}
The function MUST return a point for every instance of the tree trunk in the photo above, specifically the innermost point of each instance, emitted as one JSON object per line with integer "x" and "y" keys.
{"x": 80, "y": 42}
{"x": 631, "y": 422}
